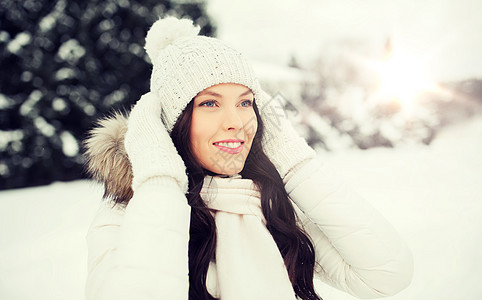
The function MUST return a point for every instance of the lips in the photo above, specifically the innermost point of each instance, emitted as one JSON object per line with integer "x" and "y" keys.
{"x": 230, "y": 146}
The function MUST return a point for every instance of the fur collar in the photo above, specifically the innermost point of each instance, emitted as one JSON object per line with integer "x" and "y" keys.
{"x": 107, "y": 160}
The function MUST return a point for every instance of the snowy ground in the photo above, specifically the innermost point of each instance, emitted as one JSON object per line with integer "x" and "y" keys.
{"x": 433, "y": 195}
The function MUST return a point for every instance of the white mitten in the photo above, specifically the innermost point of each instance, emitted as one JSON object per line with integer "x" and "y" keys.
{"x": 149, "y": 146}
{"x": 283, "y": 146}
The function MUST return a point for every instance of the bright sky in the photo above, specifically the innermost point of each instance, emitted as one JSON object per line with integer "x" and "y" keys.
{"x": 444, "y": 34}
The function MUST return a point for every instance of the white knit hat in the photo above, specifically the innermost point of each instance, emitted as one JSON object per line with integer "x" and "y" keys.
{"x": 185, "y": 63}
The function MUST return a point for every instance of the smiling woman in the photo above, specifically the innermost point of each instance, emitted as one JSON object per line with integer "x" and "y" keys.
{"x": 223, "y": 126}
{"x": 211, "y": 194}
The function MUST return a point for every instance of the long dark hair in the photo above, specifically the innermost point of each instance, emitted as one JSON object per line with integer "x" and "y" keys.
{"x": 293, "y": 243}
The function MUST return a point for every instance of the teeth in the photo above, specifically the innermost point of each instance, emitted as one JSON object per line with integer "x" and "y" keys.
{"x": 229, "y": 145}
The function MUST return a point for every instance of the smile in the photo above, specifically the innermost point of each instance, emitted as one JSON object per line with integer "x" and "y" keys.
{"x": 232, "y": 147}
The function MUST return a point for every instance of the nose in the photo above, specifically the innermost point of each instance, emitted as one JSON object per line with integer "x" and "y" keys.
{"x": 232, "y": 120}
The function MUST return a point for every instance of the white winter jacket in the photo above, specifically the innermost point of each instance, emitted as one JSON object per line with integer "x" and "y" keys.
{"x": 141, "y": 252}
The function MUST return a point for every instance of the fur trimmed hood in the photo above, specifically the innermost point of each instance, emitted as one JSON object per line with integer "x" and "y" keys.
{"x": 107, "y": 159}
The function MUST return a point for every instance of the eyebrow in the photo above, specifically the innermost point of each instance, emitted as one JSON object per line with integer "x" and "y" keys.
{"x": 220, "y": 96}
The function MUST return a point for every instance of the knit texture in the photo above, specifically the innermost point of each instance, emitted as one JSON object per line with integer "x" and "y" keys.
{"x": 185, "y": 64}
{"x": 248, "y": 262}
{"x": 149, "y": 147}
{"x": 281, "y": 143}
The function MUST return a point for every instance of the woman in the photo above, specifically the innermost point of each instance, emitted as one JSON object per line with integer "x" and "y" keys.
{"x": 214, "y": 195}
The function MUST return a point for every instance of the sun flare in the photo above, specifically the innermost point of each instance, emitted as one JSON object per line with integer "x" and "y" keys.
{"x": 401, "y": 79}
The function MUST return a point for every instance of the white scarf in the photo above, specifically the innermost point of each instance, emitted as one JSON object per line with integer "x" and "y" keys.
{"x": 248, "y": 262}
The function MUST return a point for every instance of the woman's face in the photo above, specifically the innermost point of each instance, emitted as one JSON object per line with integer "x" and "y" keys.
{"x": 223, "y": 126}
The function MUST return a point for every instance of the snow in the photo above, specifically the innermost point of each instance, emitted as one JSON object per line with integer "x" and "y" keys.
{"x": 20, "y": 40}
{"x": 59, "y": 104}
{"x": 64, "y": 73}
{"x": 4, "y": 36}
{"x": 444, "y": 33}
{"x": 333, "y": 139}
{"x": 10, "y": 136}
{"x": 70, "y": 146}
{"x": 47, "y": 23}
{"x": 4, "y": 102}
{"x": 278, "y": 73}
{"x": 431, "y": 194}
{"x": 71, "y": 50}
{"x": 44, "y": 127}
{"x": 29, "y": 104}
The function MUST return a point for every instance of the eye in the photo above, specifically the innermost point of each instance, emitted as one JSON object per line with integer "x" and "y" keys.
{"x": 208, "y": 103}
{"x": 246, "y": 103}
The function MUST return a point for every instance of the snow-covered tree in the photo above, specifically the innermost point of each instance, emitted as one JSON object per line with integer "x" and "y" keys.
{"x": 375, "y": 97}
{"x": 63, "y": 64}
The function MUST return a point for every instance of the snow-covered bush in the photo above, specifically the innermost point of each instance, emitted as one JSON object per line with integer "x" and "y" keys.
{"x": 370, "y": 99}
{"x": 64, "y": 64}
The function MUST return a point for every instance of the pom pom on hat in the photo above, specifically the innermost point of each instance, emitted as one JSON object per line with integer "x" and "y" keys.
{"x": 165, "y": 31}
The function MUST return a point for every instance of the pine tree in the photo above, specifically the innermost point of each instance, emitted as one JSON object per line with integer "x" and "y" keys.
{"x": 63, "y": 65}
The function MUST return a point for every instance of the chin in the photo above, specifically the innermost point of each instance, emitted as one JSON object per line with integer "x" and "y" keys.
{"x": 232, "y": 170}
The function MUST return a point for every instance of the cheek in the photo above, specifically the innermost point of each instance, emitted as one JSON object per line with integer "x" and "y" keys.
{"x": 200, "y": 134}
{"x": 250, "y": 125}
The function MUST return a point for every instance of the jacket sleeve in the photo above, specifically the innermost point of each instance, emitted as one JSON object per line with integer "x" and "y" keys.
{"x": 356, "y": 249}
{"x": 141, "y": 251}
